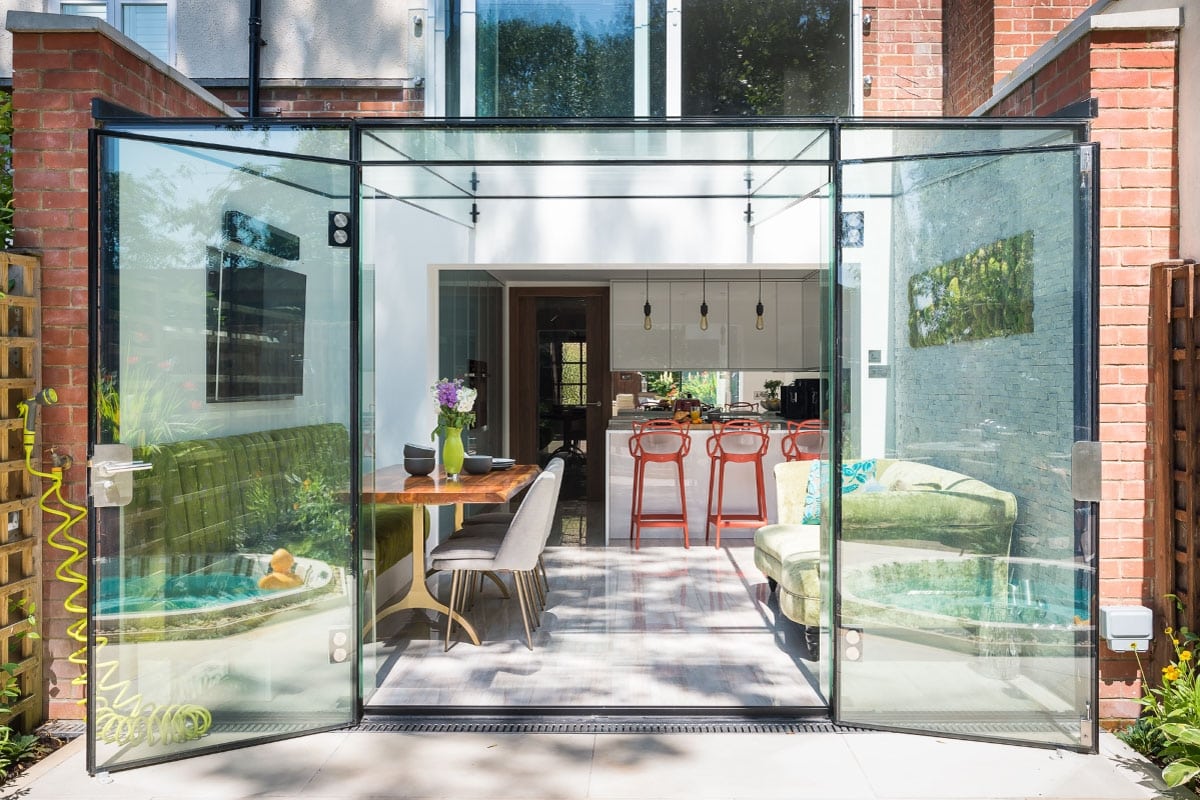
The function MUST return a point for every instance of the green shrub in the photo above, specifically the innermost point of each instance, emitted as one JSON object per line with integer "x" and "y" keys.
{"x": 1169, "y": 729}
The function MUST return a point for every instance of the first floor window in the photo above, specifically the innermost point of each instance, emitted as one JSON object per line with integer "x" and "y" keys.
{"x": 147, "y": 22}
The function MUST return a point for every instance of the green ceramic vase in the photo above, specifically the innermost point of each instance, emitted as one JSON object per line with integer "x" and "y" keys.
{"x": 453, "y": 453}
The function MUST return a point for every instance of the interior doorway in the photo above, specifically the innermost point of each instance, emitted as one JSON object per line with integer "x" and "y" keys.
{"x": 560, "y": 382}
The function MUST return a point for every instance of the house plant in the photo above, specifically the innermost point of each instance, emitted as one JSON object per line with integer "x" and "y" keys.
{"x": 771, "y": 387}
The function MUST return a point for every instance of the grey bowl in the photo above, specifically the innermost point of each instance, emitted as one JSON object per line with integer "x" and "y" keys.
{"x": 419, "y": 451}
{"x": 419, "y": 466}
{"x": 477, "y": 464}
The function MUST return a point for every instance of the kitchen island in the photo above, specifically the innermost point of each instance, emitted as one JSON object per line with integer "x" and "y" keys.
{"x": 661, "y": 482}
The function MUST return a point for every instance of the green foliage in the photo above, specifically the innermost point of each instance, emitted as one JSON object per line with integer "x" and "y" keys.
{"x": 767, "y": 57}
{"x": 663, "y": 383}
{"x": 15, "y": 747}
{"x": 771, "y": 387}
{"x": 1169, "y": 729}
{"x": 309, "y": 519}
{"x": 6, "y": 173}
{"x": 983, "y": 294}
{"x": 702, "y": 386}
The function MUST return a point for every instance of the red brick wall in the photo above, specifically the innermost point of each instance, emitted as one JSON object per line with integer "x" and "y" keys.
{"x": 967, "y": 52}
{"x": 1022, "y": 26}
{"x": 305, "y": 101}
{"x": 1132, "y": 75}
{"x": 902, "y": 55}
{"x": 55, "y": 77}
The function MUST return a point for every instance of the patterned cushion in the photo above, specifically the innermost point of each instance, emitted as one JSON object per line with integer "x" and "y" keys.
{"x": 854, "y": 475}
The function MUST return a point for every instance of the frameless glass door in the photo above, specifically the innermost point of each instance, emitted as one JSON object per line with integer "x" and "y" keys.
{"x": 223, "y": 586}
{"x": 965, "y": 568}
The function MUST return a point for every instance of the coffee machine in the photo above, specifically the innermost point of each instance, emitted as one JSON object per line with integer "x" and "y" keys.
{"x": 801, "y": 399}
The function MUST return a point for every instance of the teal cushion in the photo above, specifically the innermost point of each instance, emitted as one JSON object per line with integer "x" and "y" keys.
{"x": 854, "y": 475}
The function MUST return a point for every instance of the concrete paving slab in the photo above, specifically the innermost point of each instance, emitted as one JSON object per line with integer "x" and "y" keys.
{"x": 431, "y": 766}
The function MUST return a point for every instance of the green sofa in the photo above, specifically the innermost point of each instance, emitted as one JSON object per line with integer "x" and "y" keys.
{"x": 201, "y": 494}
{"x": 904, "y": 502}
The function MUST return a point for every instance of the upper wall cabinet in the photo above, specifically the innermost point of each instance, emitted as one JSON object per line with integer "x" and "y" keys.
{"x": 749, "y": 347}
{"x": 632, "y": 346}
{"x": 798, "y": 305}
{"x": 693, "y": 347}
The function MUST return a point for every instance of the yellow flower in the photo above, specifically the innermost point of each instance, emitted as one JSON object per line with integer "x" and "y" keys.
{"x": 1170, "y": 672}
{"x": 1168, "y": 631}
{"x": 1175, "y": 642}
{"x": 1186, "y": 655}
{"x": 307, "y": 482}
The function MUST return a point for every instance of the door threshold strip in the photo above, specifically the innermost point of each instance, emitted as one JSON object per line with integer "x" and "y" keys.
{"x": 407, "y": 724}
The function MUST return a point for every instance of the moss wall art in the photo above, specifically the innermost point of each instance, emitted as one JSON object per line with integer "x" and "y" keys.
{"x": 980, "y": 295}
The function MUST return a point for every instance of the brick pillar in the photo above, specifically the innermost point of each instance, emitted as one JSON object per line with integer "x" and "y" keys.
{"x": 1133, "y": 77}
{"x": 56, "y": 74}
{"x": 902, "y": 55}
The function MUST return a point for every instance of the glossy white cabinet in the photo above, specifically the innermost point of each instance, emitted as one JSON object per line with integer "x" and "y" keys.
{"x": 798, "y": 307}
{"x": 691, "y": 347}
{"x": 750, "y": 348}
{"x": 631, "y": 346}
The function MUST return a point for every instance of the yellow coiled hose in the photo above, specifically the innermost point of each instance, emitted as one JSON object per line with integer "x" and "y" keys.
{"x": 122, "y": 716}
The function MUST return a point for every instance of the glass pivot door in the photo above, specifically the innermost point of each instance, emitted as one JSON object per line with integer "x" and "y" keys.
{"x": 223, "y": 580}
{"x": 965, "y": 569}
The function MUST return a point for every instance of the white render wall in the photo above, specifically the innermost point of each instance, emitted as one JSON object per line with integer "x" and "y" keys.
{"x": 306, "y": 39}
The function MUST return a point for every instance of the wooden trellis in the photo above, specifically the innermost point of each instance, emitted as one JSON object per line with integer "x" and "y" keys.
{"x": 1175, "y": 368}
{"x": 20, "y": 542}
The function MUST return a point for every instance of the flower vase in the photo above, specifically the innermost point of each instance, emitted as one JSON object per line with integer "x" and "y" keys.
{"x": 453, "y": 453}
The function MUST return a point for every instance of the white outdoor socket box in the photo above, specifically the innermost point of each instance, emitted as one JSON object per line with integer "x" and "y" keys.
{"x": 1127, "y": 628}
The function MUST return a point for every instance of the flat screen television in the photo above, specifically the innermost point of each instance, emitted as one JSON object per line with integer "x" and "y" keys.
{"x": 255, "y": 329}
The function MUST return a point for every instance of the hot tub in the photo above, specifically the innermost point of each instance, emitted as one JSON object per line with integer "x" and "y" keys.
{"x": 195, "y": 597}
{"x": 977, "y": 604}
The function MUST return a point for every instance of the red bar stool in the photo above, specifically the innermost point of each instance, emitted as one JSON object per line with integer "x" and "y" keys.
{"x": 738, "y": 441}
{"x": 657, "y": 443}
{"x": 804, "y": 441}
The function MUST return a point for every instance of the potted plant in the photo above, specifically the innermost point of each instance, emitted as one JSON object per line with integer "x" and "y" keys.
{"x": 771, "y": 387}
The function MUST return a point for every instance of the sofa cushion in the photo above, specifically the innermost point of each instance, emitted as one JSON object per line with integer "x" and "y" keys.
{"x": 774, "y": 543}
{"x": 854, "y": 475}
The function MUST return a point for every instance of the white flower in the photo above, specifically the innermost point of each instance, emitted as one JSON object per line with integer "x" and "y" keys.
{"x": 466, "y": 399}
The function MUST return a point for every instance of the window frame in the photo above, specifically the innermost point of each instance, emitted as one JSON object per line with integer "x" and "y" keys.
{"x": 115, "y": 14}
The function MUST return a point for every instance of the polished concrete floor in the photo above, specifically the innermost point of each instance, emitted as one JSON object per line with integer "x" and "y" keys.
{"x": 660, "y": 626}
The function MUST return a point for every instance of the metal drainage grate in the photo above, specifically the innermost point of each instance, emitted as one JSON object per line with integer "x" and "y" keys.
{"x": 543, "y": 725}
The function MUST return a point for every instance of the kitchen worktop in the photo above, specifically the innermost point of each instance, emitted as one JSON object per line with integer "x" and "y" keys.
{"x": 624, "y": 420}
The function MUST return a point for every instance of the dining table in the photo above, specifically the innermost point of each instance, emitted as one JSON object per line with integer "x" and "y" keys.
{"x": 393, "y": 484}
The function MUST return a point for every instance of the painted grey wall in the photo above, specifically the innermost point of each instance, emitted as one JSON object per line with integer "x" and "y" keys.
{"x": 999, "y": 409}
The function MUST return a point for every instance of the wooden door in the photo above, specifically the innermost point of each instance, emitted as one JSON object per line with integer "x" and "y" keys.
{"x": 560, "y": 393}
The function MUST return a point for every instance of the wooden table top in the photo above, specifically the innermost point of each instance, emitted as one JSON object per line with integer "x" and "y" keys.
{"x": 394, "y": 485}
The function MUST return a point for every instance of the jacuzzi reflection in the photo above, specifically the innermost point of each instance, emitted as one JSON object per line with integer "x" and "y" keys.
{"x": 971, "y": 603}
{"x": 199, "y": 596}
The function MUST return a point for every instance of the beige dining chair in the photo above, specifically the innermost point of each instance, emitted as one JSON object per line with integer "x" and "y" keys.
{"x": 473, "y": 525}
{"x": 516, "y": 551}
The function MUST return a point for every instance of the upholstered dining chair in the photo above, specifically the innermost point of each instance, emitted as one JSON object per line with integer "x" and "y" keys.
{"x": 516, "y": 551}
{"x": 475, "y": 525}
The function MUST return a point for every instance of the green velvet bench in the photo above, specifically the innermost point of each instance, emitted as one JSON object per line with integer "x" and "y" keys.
{"x": 202, "y": 495}
{"x": 905, "y": 502}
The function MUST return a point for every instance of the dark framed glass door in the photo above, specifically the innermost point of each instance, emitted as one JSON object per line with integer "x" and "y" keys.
{"x": 965, "y": 563}
{"x": 223, "y": 584}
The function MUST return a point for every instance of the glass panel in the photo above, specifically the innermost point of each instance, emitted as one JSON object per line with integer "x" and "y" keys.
{"x": 904, "y": 139}
{"x": 97, "y": 10}
{"x": 146, "y": 24}
{"x": 766, "y": 57}
{"x": 619, "y": 143}
{"x": 288, "y": 139}
{"x": 225, "y": 587}
{"x": 965, "y": 576}
{"x": 541, "y": 58}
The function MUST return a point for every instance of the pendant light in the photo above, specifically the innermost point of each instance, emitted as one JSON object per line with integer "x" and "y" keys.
{"x": 647, "y": 324}
{"x": 703, "y": 303}
{"x": 758, "y": 309}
